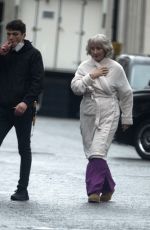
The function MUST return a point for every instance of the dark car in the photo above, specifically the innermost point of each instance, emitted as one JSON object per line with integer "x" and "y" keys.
{"x": 137, "y": 69}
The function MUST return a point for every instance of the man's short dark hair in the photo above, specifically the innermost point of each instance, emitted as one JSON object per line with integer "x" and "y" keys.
{"x": 16, "y": 25}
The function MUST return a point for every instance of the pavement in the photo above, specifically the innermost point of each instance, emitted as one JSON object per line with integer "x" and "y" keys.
{"x": 57, "y": 192}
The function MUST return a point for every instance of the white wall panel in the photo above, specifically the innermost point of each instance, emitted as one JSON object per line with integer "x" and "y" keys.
{"x": 44, "y": 37}
{"x": 62, "y": 37}
{"x": 147, "y": 29}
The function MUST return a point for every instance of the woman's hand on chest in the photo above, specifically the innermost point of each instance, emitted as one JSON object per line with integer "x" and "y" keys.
{"x": 98, "y": 72}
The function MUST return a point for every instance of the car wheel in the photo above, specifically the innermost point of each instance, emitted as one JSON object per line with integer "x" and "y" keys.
{"x": 142, "y": 140}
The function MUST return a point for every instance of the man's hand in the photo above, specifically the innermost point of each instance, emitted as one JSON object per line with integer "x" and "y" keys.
{"x": 4, "y": 49}
{"x": 20, "y": 109}
{"x": 98, "y": 72}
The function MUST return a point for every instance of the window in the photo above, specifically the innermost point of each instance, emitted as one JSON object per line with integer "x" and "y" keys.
{"x": 140, "y": 76}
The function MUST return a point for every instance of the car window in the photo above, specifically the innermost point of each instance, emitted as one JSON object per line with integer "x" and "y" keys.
{"x": 140, "y": 76}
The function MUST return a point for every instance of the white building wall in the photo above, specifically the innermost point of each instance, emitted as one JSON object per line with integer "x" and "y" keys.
{"x": 131, "y": 26}
{"x": 41, "y": 31}
{"x": 146, "y": 48}
{"x": 62, "y": 37}
{"x": 9, "y": 14}
{"x": 122, "y": 23}
{"x": 76, "y": 27}
{"x": 109, "y": 17}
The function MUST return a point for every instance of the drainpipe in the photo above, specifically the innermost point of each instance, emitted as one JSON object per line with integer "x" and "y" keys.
{"x": 1, "y": 19}
{"x": 16, "y": 11}
{"x": 58, "y": 28}
{"x": 35, "y": 27}
{"x": 116, "y": 44}
{"x": 115, "y": 20}
{"x": 81, "y": 32}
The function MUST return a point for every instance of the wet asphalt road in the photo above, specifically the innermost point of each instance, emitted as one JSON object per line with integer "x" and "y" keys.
{"x": 57, "y": 190}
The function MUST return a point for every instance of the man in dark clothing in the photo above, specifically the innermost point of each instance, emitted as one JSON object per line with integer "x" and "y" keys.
{"x": 21, "y": 76}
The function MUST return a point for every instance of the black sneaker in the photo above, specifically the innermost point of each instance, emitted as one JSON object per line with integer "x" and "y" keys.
{"x": 20, "y": 195}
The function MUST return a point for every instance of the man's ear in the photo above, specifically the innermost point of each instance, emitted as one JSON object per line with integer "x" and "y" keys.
{"x": 24, "y": 35}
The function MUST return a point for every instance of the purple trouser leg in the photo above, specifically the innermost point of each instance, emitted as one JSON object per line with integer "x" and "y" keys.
{"x": 98, "y": 177}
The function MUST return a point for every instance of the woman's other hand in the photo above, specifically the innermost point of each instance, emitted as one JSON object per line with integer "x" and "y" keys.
{"x": 125, "y": 127}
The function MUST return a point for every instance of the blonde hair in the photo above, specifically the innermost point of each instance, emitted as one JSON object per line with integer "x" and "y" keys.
{"x": 103, "y": 41}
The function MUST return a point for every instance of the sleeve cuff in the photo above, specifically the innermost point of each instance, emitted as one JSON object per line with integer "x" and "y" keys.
{"x": 88, "y": 80}
{"x": 127, "y": 121}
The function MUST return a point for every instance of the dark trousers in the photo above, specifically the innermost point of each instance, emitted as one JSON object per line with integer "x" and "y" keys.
{"x": 22, "y": 126}
{"x": 98, "y": 177}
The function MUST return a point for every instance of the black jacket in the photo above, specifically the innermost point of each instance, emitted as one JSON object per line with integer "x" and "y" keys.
{"x": 21, "y": 76}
